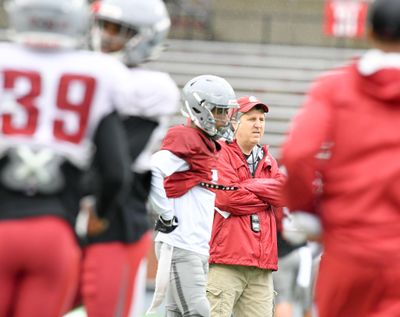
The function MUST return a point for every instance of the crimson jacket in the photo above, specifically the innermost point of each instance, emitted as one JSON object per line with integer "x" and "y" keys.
{"x": 354, "y": 117}
{"x": 198, "y": 150}
{"x": 233, "y": 241}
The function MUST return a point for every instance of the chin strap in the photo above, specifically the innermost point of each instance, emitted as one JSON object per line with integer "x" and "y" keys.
{"x": 225, "y": 133}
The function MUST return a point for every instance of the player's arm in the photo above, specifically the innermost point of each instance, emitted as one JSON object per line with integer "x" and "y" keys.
{"x": 310, "y": 131}
{"x": 144, "y": 106}
{"x": 113, "y": 163}
{"x": 138, "y": 131}
{"x": 164, "y": 163}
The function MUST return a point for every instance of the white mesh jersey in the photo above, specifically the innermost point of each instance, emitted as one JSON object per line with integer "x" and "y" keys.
{"x": 56, "y": 99}
{"x": 152, "y": 95}
{"x": 194, "y": 210}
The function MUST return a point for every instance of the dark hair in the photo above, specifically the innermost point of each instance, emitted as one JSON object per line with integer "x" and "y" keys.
{"x": 384, "y": 18}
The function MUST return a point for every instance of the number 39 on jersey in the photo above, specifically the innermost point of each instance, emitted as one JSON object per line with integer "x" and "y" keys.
{"x": 25, "y": 104}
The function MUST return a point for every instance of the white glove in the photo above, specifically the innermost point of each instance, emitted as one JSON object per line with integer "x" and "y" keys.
{"x": 299, "y": 226}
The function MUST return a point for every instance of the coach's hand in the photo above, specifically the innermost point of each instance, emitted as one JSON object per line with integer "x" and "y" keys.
{"x": 166, "y": 226}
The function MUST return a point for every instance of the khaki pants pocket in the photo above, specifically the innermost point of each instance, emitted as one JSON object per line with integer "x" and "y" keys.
{"x": 221, "y": 302}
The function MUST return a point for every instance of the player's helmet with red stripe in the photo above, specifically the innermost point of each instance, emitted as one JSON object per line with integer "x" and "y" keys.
{"x": 141, "y": 28}
{"x": 204, "y": 97}
{"x": 48, "y": 23}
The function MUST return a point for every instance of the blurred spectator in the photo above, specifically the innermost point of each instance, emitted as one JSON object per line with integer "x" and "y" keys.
{"x": 350, "y": 141}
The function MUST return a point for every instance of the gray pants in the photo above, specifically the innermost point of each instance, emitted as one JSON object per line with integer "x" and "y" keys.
{"x": 285, "y": 279}
{"x": 186, "y": 294}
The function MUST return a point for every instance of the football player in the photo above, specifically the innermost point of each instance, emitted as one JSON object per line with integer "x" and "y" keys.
{"x": 114, "y": 270}
{"x": 56, "y": 111}
{"x": 184, "y": 178}
{"x": 351, "y": 151}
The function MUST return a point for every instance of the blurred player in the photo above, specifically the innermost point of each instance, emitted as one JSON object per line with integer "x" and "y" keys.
{"x": 350, "y": 141}
{"x": 184, "y": 171}
{"x": 114, "y": 270}
{"x": 56, "y": 107}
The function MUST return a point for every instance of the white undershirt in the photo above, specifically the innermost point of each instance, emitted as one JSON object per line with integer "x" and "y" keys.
{"x": 194, "y": 210}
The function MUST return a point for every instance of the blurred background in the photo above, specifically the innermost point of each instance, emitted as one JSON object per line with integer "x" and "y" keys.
{"x": 331, "y": 23}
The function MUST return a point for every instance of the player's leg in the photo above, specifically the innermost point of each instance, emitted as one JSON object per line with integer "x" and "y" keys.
{"x": 105, "y": 279}
{"x": 8, "y": 284}
{"x": 50, "y": 276}
{"x": 171, "y": 308}
{"x": 346, "y": 287}
{"x": 188, "y": 284}
{"x": 137, "y": 257}
{"x": 284, "y": 284}
{"x": 10, "y": 257}
{"x": 387, "y": 303}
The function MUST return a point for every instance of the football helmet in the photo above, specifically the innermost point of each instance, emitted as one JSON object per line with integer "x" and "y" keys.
{"x": 208, "y": 99}
{"x": 48, "y": 23}
{"x": 140, "y": 27}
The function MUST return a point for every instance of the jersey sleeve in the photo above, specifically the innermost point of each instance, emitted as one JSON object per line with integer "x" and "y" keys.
{"x": 164, "y": 163}
{"x": 151, "y": 95}
{"x": 118, "y": 76}
{"x": 113, "y": 163}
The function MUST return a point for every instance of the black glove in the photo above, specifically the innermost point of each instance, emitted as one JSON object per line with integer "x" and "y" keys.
{"x": 166, "y": 226}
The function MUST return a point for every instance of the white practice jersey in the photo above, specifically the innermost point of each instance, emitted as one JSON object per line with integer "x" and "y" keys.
{"x": 194, "y": 210}
{"x": 152, "y": 95}
{"x": 56, "y": 99}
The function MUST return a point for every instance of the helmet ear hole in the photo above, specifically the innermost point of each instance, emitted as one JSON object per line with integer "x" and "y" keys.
{"x": 196, "y": 110}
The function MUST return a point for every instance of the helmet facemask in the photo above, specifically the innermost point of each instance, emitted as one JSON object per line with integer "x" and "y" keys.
{"x": 140, "y": 29}
{"x": 112, "y": 37}
{"x": 215, "y": 120}
{"x": 227, "y": 131}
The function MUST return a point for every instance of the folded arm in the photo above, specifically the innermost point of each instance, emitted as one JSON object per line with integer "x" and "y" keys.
{"x": 267, "y": 189}
{"x": 237, "y": 202}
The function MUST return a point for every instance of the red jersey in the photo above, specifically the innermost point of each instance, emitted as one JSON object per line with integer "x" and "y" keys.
{"x": 55, "y": 102}
{"x": 198, "y": 150}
